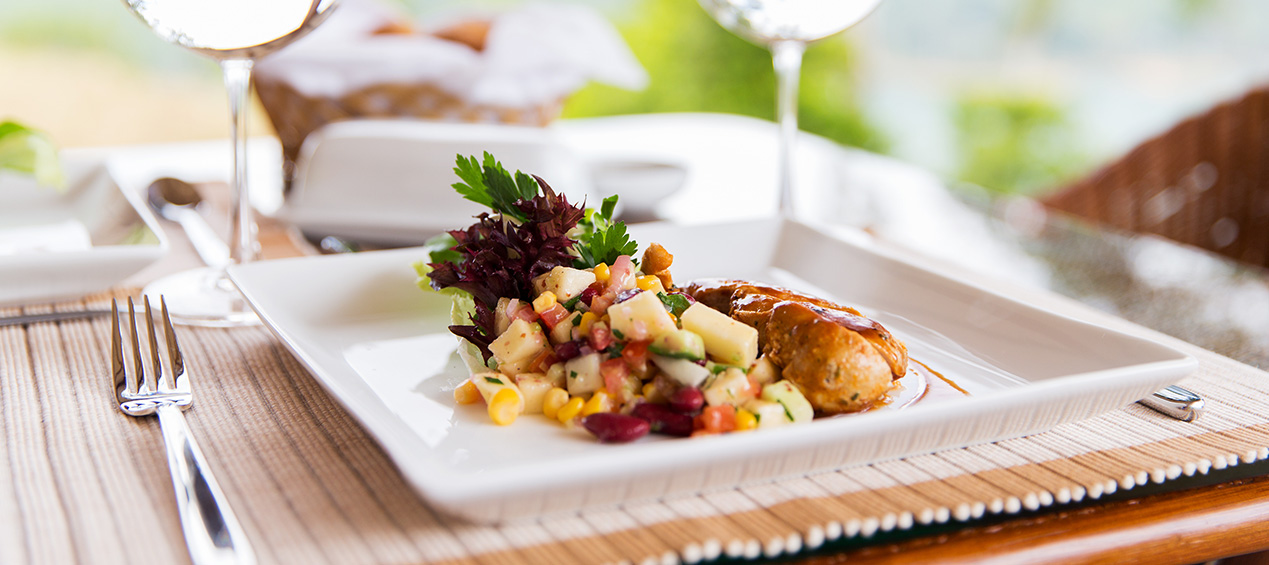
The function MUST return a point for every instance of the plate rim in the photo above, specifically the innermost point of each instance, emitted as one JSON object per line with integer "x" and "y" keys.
{"x": 453, "y": 496}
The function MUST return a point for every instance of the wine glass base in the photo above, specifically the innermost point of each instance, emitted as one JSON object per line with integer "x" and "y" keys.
{"x": 202, "y": 297}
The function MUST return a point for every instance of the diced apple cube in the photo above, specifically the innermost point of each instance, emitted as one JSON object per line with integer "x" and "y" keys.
{"x": 764, "y": 371}
{"x": 555, "y": 374}
{"x": 501, "y": 319}
{"x": 490, "y": 383}
{"x": 565, "y": 282}
{"x": 791, "y": 398}
{"x": 640, "y": 317}
{"x": 563, "y": 331}
{"x": 728, "y": 387}
{"x": 726, "y": 340}
{"x": 582, "y": 375}
{"x": 769, "y": 414}
{"x": 533, "y": 388}
{"x": 522, "y": 340}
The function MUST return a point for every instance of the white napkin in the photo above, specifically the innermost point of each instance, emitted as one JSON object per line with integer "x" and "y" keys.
{"x": 534, "y": 54}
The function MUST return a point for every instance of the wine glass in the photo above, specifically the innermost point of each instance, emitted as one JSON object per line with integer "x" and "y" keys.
{"x": 235, "y": 33}
{"x": 785, "y": 27}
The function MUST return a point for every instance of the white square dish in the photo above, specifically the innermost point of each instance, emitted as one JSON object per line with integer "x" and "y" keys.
{"x": 381, "y": 347}
{"x": 62, "y": 244}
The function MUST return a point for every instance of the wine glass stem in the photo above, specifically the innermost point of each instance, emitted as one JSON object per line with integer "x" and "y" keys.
{"x": 237, "y": 73}
{"x": 786, "y": 56}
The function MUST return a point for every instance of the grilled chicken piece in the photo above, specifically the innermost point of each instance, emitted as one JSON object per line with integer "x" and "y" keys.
{"x": 840, "y": 359}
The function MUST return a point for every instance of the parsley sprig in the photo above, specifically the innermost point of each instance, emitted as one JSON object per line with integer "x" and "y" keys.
{"x": 533, "y": 230}
{"x": 602, "y": 240}
{"x": 489, "y": 184}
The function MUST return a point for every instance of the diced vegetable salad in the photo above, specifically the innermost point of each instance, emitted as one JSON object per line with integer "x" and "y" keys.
{"x": 587, "y": 337}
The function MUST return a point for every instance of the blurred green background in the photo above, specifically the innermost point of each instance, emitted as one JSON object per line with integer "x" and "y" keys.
{"x": 1017, "y": 96}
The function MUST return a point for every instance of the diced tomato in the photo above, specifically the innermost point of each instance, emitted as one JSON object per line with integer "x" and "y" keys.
{"x": 622, "y": 275}
{"x": 523, "y": 311}
{"x": 554, "y": 315}
{"x": 636, "y": 355}
{"x": 600, "y": 304}
{"x": 717, "y": 419}
{"x": 600, "y": 336}
{"x": 614, "y": 372}
{"x": 543, "y": 362}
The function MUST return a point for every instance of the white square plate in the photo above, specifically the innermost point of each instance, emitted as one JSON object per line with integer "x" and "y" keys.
{"x": 62, "y": 244}
{"x": 381, "y": 347}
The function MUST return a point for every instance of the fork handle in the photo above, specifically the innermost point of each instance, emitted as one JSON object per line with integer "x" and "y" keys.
{"x": 212, "y": 533}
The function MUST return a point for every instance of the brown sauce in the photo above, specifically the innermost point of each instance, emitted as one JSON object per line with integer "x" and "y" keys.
{"x": 941, "y": 388}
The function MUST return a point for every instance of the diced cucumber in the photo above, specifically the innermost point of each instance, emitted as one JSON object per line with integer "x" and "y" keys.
{"x": 798, "y": 408}
{"x": 679, "y": 344}
{"x": 684, "y": 372}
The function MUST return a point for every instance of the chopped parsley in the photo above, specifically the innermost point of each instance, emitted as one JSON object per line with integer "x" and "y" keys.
{"x": 618, "y": 334}
{"x": 676, "y": 302}
{"x": 494, "y": 380}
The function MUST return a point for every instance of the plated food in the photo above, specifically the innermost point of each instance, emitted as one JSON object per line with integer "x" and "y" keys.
{"x": 562, "y": 316}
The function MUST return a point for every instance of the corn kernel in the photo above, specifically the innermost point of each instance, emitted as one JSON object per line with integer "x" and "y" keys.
{"x": 544, "y": 301}
{"x": 504, "y": 407}
{"x": 587, "y": 319}
{"x": 649, "y": 282}
{"x": 467, "y": 393}
{"x": 649, "y": 389}
{"x": 602, "y": 273}
{"x": 570, "y": 410}
{"x": 554, "y": 399}
{"x": 745, "y": 420}
{"x": 599, "y": 402}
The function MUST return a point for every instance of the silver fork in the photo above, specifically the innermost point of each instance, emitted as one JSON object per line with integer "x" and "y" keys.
{"x": 212, "y": 533}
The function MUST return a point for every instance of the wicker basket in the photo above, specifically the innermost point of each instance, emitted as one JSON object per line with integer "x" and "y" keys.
{"x": 295, "y": 115}
{"x": 1204, "y": 183}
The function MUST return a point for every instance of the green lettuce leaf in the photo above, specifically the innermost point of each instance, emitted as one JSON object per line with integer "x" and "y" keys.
{"x": 27, "y": 151}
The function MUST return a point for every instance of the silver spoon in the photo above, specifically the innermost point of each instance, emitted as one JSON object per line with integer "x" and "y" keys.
{"x": 177, "y": 200}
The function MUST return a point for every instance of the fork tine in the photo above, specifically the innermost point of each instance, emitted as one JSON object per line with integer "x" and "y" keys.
{"x": 173, "y": 349}
{"x": 136, "y": 347}
{"x": 116, "y": 353}
{"x": 155, "y": 379}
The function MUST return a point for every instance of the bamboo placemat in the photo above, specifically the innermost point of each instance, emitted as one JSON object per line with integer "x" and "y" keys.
{"x": 77, "y": 478}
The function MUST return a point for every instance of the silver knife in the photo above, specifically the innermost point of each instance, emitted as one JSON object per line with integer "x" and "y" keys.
{"x": 23, "y": 319}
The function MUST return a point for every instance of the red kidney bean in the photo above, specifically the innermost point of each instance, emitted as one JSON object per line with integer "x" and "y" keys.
{"x": 611, "y": 427}
{"x": 687, "y": 400}
{"x": 664, "y": 420}
{"x": 568, "y": 350}
{"x": 591, "y": 292}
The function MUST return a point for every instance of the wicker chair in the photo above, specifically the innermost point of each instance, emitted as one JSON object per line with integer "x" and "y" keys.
{"x": 1204, "y": 183}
